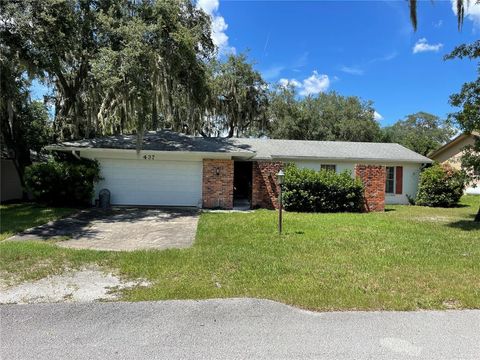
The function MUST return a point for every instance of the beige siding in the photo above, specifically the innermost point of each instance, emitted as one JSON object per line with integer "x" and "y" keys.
{"x": 452, "y": 155}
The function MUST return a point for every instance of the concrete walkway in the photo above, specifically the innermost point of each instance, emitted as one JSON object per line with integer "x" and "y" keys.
{"x": 120, "y": 229}
{"x": 231, "y": 329}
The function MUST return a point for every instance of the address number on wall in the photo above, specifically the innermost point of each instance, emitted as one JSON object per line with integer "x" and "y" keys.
{"x": 149, "y": 157}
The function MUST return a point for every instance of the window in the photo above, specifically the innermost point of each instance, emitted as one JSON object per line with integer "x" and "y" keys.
{"x": 328, "y": 167}
{"x": 390, "y": 181}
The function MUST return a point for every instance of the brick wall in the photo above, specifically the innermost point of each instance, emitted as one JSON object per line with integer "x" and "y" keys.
{"x": 264, "y": 184}
{"x": 217, "y": 188}
{"x": 373, "y": 178}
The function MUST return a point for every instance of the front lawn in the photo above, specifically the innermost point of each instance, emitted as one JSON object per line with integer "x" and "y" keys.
{"x": 18, "y": 217}
{"x": 406, "y": 258}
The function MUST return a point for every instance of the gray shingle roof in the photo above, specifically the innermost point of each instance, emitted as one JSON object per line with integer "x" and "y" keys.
{"x": 255, "y": 148}
{"x": 335, "y": 150}
{"x": 164, "y": 140}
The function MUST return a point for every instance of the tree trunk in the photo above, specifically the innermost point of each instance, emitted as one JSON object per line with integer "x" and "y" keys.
{"x": 154, "y": 113}
{"x": 477, "y": 217}
{"x": 12, "y": 136}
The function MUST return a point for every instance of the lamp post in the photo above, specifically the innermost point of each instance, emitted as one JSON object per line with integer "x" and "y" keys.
{"x": 280, "y": 177}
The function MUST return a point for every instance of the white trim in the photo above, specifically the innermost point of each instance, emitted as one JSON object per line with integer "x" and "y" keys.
{"x": 347, "y": 159}
{"x": 202, "y": 154}
{"x": 238, "y": 154}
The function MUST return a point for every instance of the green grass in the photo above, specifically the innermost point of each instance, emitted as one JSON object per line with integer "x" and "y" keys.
{"x": 18, "y": 217}
{"x": 406, "y": 258}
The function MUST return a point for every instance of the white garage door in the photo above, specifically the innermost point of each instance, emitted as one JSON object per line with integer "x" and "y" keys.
{"x": 143, "y": 182}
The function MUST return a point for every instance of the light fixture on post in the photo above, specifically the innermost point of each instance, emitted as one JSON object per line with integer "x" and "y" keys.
{"x": 280, "y": 177}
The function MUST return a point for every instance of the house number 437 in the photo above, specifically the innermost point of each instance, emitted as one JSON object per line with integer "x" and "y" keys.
{"x": 149, "y": 157}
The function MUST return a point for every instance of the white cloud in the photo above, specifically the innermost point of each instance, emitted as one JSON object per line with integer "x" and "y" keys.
{"x": 438, "y": 23}
{"x": 377, "y": 116}
{"x": 314, "y": 84}
{"x": 209, "y": 6}
{"x": 472, "y": 11}
{"x": 422, "y": 45}
{"x": 219, "y": 26}
{"x": 352, "y": 70}
{"x": 289, "y": 82}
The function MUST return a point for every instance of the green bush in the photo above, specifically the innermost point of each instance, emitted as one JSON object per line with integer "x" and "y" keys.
{"x": 440, "y": 186}
{"x": 307, "y": 190}
{"x": 62, "y": 182}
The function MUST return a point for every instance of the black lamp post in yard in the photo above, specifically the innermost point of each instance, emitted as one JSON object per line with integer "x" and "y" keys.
{"x": 280, "y": 177}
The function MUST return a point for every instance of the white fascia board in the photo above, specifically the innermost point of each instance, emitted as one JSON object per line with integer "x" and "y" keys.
{"x": 119, "y": 152}
{"x": 357, "y": 160}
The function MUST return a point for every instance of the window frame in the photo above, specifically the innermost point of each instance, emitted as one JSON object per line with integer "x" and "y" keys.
{"x": 329, "y": 167}
{"x": 393, "y": 179}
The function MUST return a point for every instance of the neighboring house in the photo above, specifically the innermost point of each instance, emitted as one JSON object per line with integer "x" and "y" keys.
{"x": 11, "y": 187}
{"x": 451, "y": 153}
{"x": 180, "y": 170}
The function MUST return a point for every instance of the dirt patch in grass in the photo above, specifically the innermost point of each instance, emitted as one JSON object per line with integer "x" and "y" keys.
{"x": 434, "y": 218}
{"x": 85, "y": 285}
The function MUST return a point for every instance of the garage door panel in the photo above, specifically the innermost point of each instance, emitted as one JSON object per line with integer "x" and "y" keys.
{"x": 140, "y": 182}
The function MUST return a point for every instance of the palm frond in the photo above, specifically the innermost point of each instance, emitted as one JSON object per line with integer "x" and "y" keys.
{"x": 413, "y": 13}
{"x": 460, "y": 12}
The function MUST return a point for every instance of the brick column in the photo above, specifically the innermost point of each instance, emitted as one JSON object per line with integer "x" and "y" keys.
{"x": 265, "y": 189}
{"x": 217, "y": 184}
{"x": 373, "y": 178}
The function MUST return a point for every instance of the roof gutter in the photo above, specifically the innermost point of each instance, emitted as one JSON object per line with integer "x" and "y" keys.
{"x": 241, "y": 154}
{"x": 308, "y": 157}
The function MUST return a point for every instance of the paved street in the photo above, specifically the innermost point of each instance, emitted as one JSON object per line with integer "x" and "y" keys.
{"x": 231, "y": 329}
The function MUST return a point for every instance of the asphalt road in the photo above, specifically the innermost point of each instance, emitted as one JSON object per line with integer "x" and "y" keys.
{"x": 231, "y": 329}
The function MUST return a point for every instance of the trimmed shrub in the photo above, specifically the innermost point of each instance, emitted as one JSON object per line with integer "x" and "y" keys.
{"x": 61, "y": 182}
{"x": 440, "y": 186}
{"x": 307, "y": 190}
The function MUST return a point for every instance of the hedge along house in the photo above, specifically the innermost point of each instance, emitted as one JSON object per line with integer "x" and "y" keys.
{"x": 172, "y": 169}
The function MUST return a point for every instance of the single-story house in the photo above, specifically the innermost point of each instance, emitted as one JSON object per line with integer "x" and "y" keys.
{"x": 173, "y": 169}
{"x": 451, "y": 153}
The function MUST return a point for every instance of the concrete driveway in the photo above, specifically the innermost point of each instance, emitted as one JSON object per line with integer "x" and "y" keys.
{"x": 120, "y": 229}
{"x": 232, "y": 329}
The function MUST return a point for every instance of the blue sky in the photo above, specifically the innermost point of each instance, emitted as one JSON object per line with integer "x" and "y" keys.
{"x": 361, "y": 48}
